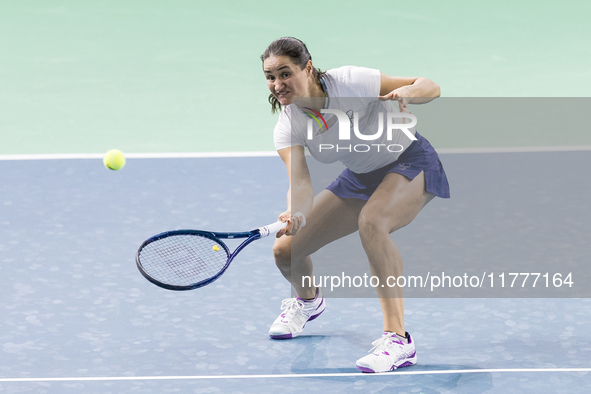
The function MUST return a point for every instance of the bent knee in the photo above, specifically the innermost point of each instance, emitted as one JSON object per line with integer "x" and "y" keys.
{"x": 371, "y": 224}
{"x": 282, "y": 251}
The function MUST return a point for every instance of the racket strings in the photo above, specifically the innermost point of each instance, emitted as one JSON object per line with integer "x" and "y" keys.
{"x": 183, "y": 260}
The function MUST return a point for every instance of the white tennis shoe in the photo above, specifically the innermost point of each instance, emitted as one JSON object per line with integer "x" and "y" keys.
{"x": 295, "y": 313}
{"x": 388, "y": 354}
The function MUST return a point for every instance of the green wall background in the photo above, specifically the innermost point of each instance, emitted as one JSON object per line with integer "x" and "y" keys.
{"x": 185, "y": 76}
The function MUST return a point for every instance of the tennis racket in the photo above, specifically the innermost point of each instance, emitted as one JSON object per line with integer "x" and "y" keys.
{"x": 189, "y": 259}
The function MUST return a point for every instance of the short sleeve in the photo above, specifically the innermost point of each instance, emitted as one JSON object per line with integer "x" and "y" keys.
{"x": 362, "y": 81}
{"x": 282, "y": 134}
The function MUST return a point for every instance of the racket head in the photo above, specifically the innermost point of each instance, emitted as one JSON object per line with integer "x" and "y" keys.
{"x": 182, "y": 259}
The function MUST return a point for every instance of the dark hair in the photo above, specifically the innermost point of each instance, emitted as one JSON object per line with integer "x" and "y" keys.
{"x": 297, "y": 51}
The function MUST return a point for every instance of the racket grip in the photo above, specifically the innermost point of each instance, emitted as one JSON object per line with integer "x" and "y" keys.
{"x": 271, "y": 229}
{"x": 275, "y": 227}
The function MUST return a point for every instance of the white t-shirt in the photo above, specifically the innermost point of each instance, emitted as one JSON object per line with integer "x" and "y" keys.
{"x": 353, "y": 91}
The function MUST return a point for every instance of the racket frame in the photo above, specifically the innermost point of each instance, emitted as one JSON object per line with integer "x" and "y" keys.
{"x": 215, "y": 236}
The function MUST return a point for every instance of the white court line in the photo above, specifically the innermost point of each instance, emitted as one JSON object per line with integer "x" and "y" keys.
{"x": 190, "y": 155}
{"x": 516, "y": 149}
{"x": 181, "y": 155}
{"x": 308, "y": 375}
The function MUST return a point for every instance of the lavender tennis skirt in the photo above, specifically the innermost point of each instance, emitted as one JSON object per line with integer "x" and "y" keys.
{"x": 419, "y": 156}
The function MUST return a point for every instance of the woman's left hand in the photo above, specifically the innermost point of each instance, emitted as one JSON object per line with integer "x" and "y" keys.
{"x": 402, "y": 95}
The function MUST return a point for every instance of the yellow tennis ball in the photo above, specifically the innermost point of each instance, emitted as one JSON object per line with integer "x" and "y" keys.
{"x": 216, "y": 248}
{"x": 114, "y": 160}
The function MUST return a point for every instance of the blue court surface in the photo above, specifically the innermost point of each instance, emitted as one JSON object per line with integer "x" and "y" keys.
{"x": 78, "y": 317}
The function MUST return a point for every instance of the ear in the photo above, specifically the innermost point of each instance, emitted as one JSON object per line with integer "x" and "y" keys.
{"x": 309, "y": 67}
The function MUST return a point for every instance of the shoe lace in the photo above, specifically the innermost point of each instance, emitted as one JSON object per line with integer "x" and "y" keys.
{"x": 382, "y": 344}
{"x": 291, "y": 306}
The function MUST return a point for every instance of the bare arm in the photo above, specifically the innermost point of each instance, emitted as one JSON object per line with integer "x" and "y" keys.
{"x": 413, "y": 90}
{"x": 300, "y": 195}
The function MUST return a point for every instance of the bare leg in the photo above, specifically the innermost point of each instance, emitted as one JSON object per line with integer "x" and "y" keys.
{"x": 395, "y": 203}
{"x": 331, "y": 218}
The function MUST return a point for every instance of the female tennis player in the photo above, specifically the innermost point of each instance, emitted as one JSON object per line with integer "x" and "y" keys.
{"x": 376, "y": 194}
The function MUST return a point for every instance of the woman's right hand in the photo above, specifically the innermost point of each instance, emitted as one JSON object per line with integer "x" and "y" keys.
{"x": 294, "y": 223}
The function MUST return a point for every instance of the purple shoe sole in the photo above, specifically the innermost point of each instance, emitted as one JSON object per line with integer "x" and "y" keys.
{"x": 394, "y": 367}
{"x": 406, "y": 364}
{"x": 281, "y": 336}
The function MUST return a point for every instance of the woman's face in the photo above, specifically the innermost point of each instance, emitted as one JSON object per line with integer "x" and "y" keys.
{"x": 285, "y": 79}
